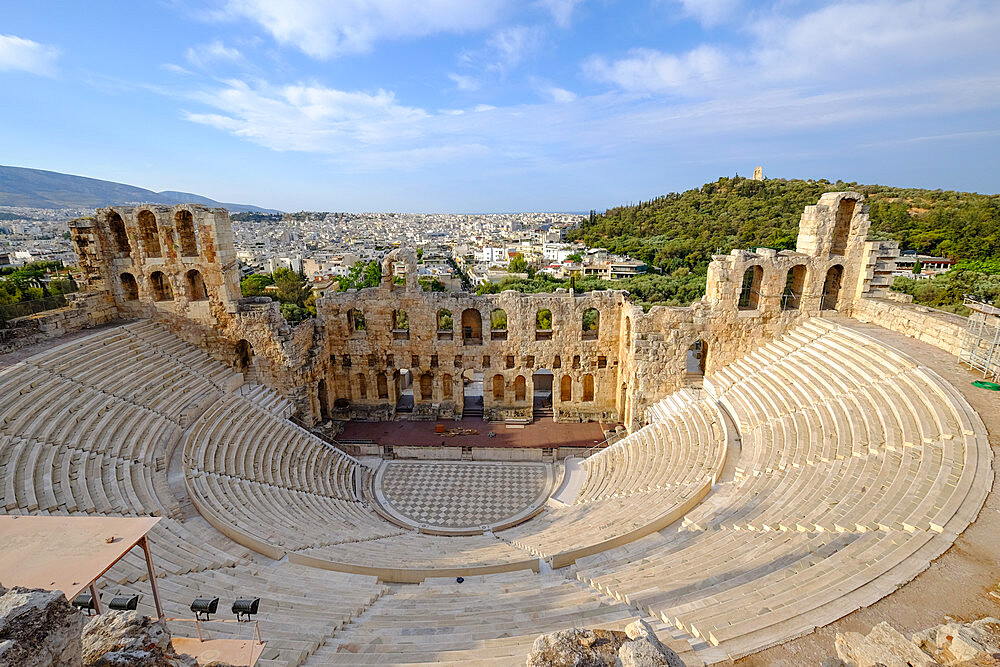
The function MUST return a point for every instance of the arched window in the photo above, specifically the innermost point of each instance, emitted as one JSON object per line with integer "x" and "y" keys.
{"x": 519, "y": 388}
{"x": 149, "y": 233}
{"x": 356, "y": 320}
{"x": 794, "y": 282}
{"x": 400, "y": 325}
{"x": 498, "y": 387}
{"x": 498, "y": 324}
{"x": 446, "y": 388}
{"x": 842, "y": 226}
{"x": 362, "y": 385}
{"x": 472, "y": 326}
{"x": 566, "y": 388}
{"x": 591, "y": 323}
{"x": 750, "y": 291}
{"x": 129, "y": 287}
{"x": 324, "y": 399}
{"x": 445, "y": 320}
{"x": 588, "y": 387}
{"x": 184, "y": 224}
{"x": 118, "y": 235}
{"x": 426, "y": 387}
{"x": 243, "y": 356}
{"x": 383, "y": 385}
{"x": 196, "y": 286}
{"x": 831, "y": 287}
{"x": 161, "y": 287}
{"x": 543, "y": 324}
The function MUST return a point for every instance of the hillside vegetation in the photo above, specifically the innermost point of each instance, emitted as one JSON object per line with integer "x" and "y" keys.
{"x": 681, "y": 231}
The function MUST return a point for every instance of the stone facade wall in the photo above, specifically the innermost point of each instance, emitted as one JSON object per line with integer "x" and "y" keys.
{"x": 82, "y": 311}
{"x": 353, "y": 359}
{"x": 943, "y": 330}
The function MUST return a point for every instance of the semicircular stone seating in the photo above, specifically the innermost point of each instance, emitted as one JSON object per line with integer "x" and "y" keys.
{"x": 858, "y": 467}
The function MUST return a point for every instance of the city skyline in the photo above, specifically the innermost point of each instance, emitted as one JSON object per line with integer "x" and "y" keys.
{"x": 550, "y": 105}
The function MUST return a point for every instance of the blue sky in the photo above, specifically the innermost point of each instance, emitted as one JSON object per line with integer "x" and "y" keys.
{"x": 499, "y": 105}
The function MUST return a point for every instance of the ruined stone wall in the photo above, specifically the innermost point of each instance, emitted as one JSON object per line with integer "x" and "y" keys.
{"x": 940, "y": 329}
{"x": 82, "y": 311}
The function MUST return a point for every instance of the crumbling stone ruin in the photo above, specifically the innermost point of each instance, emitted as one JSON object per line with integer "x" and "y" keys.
{"x": 636, "y": 646}
{"x": 975, "y": 644}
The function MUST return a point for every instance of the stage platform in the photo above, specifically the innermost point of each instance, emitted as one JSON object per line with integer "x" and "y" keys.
{"x": 537, "y": 435}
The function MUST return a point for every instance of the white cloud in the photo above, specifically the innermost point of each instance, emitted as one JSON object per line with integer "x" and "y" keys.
{"x": 465, "y": 83}
{"x": 561, "y": 10}
{"x": 213, "y": 52}
{"x": 648, "y": 70}
{"x": 512, "y": 45}
{"x": 711, "y": 12}
{"x": 17, "y": 53}
{"x": 328, "y": 28}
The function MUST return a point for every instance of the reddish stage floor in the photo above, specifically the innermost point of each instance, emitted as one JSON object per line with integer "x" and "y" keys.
{"x": 542, "y": 433}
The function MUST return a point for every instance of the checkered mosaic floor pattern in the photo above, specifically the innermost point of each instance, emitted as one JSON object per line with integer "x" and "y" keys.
{"x": 453, "y": 495}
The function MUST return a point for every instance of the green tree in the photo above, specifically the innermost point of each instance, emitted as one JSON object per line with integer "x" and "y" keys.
{"x": 518, "y": 264}
{"x": 254, "y": 284}
{"x": 431, "y": 284}
{"x": 918, "y": 267}
{"x": 575, "y": 257}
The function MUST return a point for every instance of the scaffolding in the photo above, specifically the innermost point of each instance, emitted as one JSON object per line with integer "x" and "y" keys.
{"x": 981, "y": 346}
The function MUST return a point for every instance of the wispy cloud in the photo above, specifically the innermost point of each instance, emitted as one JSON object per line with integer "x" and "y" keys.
{"x": 17, "y": 53}
{"x": 561, "y": 10}
{"x": 465, "y": 82}
{"x": 328, "y": 28}
{"x": 204, "y": 55}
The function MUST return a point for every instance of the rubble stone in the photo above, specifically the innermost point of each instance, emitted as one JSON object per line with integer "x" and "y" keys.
{"x": 38, "y": 628}
{"x": 127, "y": 638}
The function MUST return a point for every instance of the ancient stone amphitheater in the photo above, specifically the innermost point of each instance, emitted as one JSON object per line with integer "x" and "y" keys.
{"x": 815, "y": 460}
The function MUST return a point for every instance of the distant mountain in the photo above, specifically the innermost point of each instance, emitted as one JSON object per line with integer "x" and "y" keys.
{"x": 37, "y": 188}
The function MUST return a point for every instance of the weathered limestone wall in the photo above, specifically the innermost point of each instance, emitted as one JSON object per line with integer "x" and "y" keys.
{"x": 83, "y": 311}
{"x": 943, "y": 330}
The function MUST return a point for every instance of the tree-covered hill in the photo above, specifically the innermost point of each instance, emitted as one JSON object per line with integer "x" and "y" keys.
{"x": 685, "y": 229}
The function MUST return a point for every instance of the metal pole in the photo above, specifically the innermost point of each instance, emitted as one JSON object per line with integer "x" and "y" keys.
{"x": 152, "y": 577}
{"x": 95, "y": 597}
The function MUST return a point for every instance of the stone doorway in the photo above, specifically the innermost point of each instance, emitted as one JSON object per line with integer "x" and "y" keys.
{"x": 541, "y": 394}
{"x": 472, "y": 393}
{"x": 404, "y": 390}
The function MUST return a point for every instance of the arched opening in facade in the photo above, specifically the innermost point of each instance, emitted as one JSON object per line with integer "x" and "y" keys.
{"x": 403, "y": 382}
{"x": 243, "y": 360}
{"x": 591, "y": 324}
{"x": 472, "y": 393}
{"x": 447, "y": 387}
{"x": 149, "y": 234}
{"x": 498, "y": 324}
{"x": 831, "y": 287}
{"x": 541, "y": 393}
{"x": 184, "y": 224}
{"x": 426, "y": 387}
{"x": 472, "y": 327}
{"x": 445, "y": 324}
{"x": 130, "y": 288}
{"x": 566, "y": 388}
{"x": 361, "y": 384}
{"x": 842, "y": 226}
{"x": 557, "y": 361}
{"x": 196, "y": 286}
{"x": 588, "y": 388}
{"x": 520, "y": 388}
{"x": 382, "y": 384}
{"x": 356, "y": 320}
{"x": 795, "y": 282}
{"x": 697, "y": 356}
{"x": 324, "y": 399}
{"x": 118, "y": 235}
{"x": 498, "y": 387}
{"x": 161, "y": 286}
{"x": 750, "y": 291}
{"x": 543, "y": 324}
{"x": 400, "y": 325}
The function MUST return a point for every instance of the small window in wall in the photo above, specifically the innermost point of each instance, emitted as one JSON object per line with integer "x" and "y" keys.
{"x": 591, "y": 324}
{"x": 130, "y": 288}
{"x": 356, "y": 320}
{"x": 400, "y": 325}
{"x": 566, "y": 388}
{"x": 347, "y": 361}
{"x": 472, "y": 326}
{"x": 510, "y": 361}
{"x": 445, "y": 324}
{"x": 426, "y": 387}
{"x": 497, "y": 387}
{"x": 382, "y": 383}
{"x": 161, "y": 286}
{"x": 557, "y": 362}
{"x": 118, "y": 236}
{"x": 414, "y": 361}
{"x": 498, "y": 324}
{"x": 196, "y": 286}
{"x": 486, "y": 361}
{"x": 750, "y": 291}
{"x": 149, "y": 234}
{"x": 530, "y": 361}
{"x": 543, "y": 324}
{"x": 362, "y": 384}
{"x": 588, "y": 387}
{"x": 446, "y": 386}
{"x": 390, "y": 360}
{"x": 184, "y": 224}
{"x": 372, "y": 360}
{"x": 602, "y": 362}
{"x": 576, "y": 361}
{"x": 434, "y": 361}
{"x": 520, "y": 390}
{"x": 459, "y": 361}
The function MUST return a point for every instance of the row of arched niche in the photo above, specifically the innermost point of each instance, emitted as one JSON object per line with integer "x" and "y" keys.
{"x": 149, "y": 234}
{"x": 161, "y": 288}
{"x": 471, "y": 322}
{"x": 795, "y": 282}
